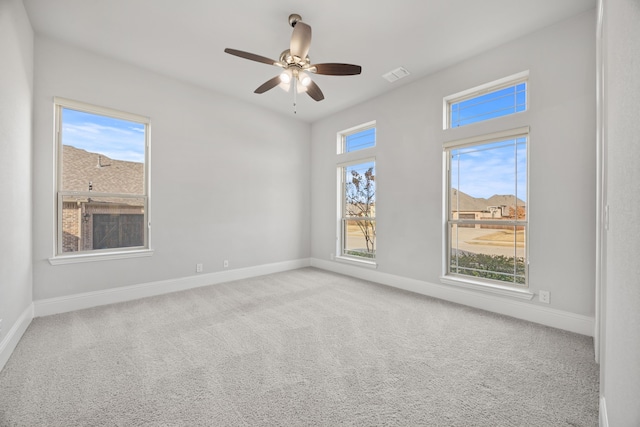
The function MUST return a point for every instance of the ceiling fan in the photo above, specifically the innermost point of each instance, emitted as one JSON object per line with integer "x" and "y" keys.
{"x": 296, "y": 64}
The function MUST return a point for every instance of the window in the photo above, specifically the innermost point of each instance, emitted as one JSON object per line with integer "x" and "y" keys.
{"x": 102, "y": 179}
{"x": 357, "y": 194}
{"x": 358, "y": 219}
{"x": 357, "y": 139}
{"x": 487, "y": 207}
{"x": 495, "y": 99}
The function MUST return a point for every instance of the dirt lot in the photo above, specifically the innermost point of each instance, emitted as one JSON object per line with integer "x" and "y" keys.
{"x": 478, "y": 240}
{"x": 487, "y": 241}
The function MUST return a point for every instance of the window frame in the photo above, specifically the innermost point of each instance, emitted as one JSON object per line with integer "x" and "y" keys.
{"x": 496, "y": 286}
{"x": 342, "y": 137}
{"x": 496, "y": 85}
{"x": 343, "y": 218}
{"x": 61, "y": 257}
{"x": 344, "y": 160}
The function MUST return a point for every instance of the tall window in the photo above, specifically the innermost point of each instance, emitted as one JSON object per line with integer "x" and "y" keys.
{"x": 496, "y": 99}
{"x": 487, "y": 207}
{"x": 102, "y": 179}
{"x": 359, "y": 209}
{"x": 357, "y": 193}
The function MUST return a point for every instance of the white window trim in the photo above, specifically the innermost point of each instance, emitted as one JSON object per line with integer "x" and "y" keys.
{"x": 357, "y": 261}
{"x": 99, "y": 256}
{"x": 511, "y": 80}
{"x": 341, "y": 196}
{"x": 60, "y": 258}
{"x": 523, "y": 293}
{"x": 342, "y": 136}
{"x": 463, "y": 281}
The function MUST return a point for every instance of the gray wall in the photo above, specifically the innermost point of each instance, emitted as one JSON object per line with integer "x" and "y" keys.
{"x": 16, "y": 95}
{"x": 561, "y": 62}
{"x": 621, "y": 359}
{"x": 228, "y": 180}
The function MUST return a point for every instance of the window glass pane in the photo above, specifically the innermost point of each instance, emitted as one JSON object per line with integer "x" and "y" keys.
{"x": 360, "y": 140}
{"x": 495, "y": 252}
{"x": 102, "y": 154}
{"x": 521, "y": 178}
{"x": 521, "y": 101}
{"x": 359, "y": 238}
{"x": 102, "y": 222}
{"x": 494, "y": 104}
{"x": 489, "y": 179}
{"x": 360, "y": 190}
{"x": 358, "y": 210}
{"x": 487, "y": 194}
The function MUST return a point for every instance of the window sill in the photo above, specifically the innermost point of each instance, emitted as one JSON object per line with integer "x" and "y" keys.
{"x": 355, "y": 261}
{"x": 488, "y": 287}
{"x": 102, "y": 256}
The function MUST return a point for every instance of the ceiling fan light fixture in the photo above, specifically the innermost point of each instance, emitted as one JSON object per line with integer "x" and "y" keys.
{"x": 285, "y": 77}
{"x": 304, "y": 78}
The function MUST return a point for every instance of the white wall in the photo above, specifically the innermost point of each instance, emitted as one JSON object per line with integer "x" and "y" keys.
{"x": 620, "y": 368}
{"x": 228, "y": 180}
{"x": 561, "y": 62}
{"x": 16, "y": 95}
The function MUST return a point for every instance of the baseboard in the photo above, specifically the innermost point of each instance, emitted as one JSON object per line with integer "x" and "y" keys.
{"x": 547, "y": 316}
{"x": 10, "y": 341}
{"x": 604, "y": 420}
{"x": 81, "y": 301}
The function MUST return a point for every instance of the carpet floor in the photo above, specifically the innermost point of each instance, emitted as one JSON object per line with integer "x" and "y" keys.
{"x": 300, "y": 348}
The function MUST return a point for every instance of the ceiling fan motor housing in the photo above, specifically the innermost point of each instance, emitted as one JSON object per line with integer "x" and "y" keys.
{"x": 289, "y": 60}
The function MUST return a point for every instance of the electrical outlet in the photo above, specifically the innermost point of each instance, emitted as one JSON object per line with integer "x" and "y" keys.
{"x": 543, "y": 296}
{"x": 226, "y": 263}
{"x": 198, "y": 268}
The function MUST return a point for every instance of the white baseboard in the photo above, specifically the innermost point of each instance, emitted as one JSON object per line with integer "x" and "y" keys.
{"x": 10, "y": 341}
{"x": 81, "y": 301}
{"x": 604, "y": 421}
{"x": 498, "y": 304}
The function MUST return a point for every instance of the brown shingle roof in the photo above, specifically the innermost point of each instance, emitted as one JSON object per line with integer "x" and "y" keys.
{"x": 106, "y": 175}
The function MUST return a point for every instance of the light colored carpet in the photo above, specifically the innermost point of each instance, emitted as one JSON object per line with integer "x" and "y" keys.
{"x": 304, "y": 347}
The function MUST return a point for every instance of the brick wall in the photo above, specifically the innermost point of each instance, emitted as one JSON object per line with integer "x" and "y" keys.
{"x": 71, "y": 218}
{"x": 77, "y": 234}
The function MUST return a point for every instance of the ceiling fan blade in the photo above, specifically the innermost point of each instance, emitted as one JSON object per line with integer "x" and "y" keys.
{"x": 300, "y": 40}
{"x": 336, "y": 69}
{"x": 251, "y": 56}
{"x": 269, "y": 84}
{"x": 314, "y": 91}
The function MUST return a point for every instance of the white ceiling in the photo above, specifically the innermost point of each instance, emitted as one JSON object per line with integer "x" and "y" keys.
{"x": 185, "y": 39}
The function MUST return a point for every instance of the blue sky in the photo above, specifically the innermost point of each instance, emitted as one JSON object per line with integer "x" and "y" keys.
{"x": 360, "y": 140}
{"x": 115, "y": 138}
{"x": 488, "y": 169}
{"x": 494, "y": 104}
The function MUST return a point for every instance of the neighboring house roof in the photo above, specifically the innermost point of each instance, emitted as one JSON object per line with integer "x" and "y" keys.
{"x": 106, "y": 175}
{"x": 463, "y": 202}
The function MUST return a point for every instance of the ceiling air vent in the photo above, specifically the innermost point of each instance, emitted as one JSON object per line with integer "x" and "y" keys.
{"x": 396, "y": 74}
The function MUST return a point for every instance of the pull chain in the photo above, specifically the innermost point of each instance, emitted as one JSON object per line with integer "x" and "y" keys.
{"x": 295, "y": 92}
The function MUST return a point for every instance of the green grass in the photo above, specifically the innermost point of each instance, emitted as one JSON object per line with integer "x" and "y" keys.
{"x": 361, "y": 254}
{"x": 494, "y": 267}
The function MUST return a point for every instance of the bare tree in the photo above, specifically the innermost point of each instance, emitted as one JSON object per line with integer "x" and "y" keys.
{"x": 360, "y": 198}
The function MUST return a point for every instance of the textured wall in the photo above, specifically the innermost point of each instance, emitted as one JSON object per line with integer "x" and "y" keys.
{"x": 16, "y": 94}
{"x": 621, "y": 361}
{"x": 562, "y": 159}
{"x": 228, "y": 180}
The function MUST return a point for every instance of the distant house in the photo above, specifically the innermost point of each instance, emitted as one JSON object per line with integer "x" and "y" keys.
{"x": 103, "y": 221}
{"x": 507, "y": 207}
